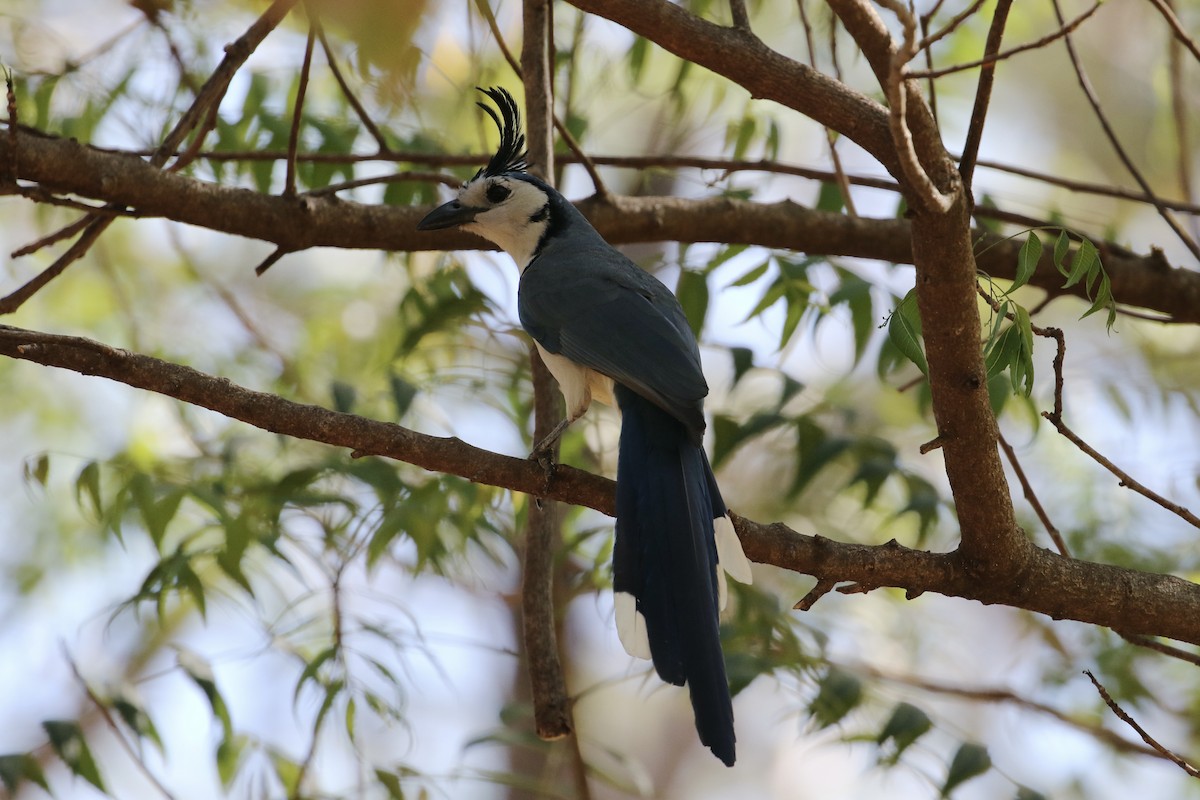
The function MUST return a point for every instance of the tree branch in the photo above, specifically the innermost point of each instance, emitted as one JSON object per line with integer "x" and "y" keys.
{"x": 743, "y": 58}
{"x": 316, "y": 220}
{"x": 543, "y": 534}
{"x": 1130, "y": 601}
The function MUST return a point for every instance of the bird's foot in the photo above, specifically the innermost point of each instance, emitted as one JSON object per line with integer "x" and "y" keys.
{"x": 545, "y": 448}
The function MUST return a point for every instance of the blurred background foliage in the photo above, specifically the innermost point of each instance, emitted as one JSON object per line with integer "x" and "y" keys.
{"x": 194, "y": 608}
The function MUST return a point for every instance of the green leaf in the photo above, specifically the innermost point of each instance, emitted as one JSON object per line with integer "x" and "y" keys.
{"x": 774, "y": 138}
{"x": 403, "y": 394}
{"x": 41, "y": 102}
{"x": 16, "y": 768}
{"x": 156, "y": 505}
{"x": 924, "y": 501}
{"x": 904, "y": 330}
{"x": 134, "y": 715}
{"x": 797, "y": 304}
{"x": 1086, "y": 259}
{"x": 877, "y": 463}
{"x": 1104, "y": 300}
{"x": 726, "y": 253}
{"x": 391, "y": 526}
{"x": 287, "y": 770}
{"x": 817, "y": 450}
{"x": 310, "y": 670}
{"x": 332, "y": 690}
{"x": 1003, "y": 352}
{"x": 350, "y": 717}
{"x": 88, "y": 484}
{"x": 830, "y": 197}
{"x": 970, "y": 760}
{"x": 728, "y": 435}
{"x": 636, "y": 60}
{"x": 200, "y": 671}
{"x": 1025, "y": 793}
{"x": 1027, "y": 260}
{"x": 743, "y": 360}
{"x": 344, "y": 397}
{"x": 855, "y": 294}
{"x": 907, "y": 724}
{"x": 66, "y": 737}
{"x": 1062, "y": 246}
{"x": 838, "y": 694}
{"x": 752, "y": 275}
{"x": 190, "y": 582}
{"x": 38, "y": 469}
{"x": 231, "y": 754}
{"x": 742, "y": 135}
{"x": 390, "y": 780}
{"x": 1025, "y": 357}
{"x": 693, "y": 296}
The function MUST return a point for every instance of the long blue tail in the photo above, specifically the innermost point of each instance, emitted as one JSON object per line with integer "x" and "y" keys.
{"x": 666, "y": 558}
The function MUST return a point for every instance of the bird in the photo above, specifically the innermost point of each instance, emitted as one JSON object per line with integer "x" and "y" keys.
{"x": 611, "y": 332}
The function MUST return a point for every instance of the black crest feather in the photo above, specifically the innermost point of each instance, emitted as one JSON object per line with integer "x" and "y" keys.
{"x": 510, "y": 155}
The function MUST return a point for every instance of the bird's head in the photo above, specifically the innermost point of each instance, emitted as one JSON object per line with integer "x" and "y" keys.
{"x": 502, "y": 202}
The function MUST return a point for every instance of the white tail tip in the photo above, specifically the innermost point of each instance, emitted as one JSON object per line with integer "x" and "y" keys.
{"x": 631, "y": 625}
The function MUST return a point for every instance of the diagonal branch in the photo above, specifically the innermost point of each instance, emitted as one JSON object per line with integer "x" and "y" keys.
{"x": 744, "y": 59}
{"x": 1130, "y": 601}
{"x": 983, "y": 94}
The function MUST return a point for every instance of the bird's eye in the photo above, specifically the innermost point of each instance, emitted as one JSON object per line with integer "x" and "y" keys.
{"x": 498, "y": 193}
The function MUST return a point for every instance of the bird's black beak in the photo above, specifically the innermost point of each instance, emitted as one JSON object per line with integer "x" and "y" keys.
{"x": 447, "y": 216}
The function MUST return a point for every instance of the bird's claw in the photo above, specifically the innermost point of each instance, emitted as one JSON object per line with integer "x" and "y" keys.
{"x": 545, "y": 458}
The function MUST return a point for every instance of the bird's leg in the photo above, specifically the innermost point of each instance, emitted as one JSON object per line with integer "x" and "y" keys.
{"x": 543, "y": 451}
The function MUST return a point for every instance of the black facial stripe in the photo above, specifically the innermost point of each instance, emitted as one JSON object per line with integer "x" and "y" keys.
{"x": 541, "y": 214}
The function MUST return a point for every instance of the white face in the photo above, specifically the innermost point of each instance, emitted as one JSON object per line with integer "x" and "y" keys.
{"x": 512, "y": 213}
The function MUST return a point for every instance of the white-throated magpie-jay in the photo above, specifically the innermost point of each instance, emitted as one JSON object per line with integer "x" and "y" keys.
{"x": 609, "y": 331}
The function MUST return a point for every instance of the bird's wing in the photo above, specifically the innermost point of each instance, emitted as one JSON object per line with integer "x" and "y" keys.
{"x": 601, "y": 311}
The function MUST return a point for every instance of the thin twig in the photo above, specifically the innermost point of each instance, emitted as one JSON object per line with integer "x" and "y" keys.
{"x": 986, "y": 694}
{"x": 897, "y": 88}
{"x": 830, "y": 136}
{"x": 190, "y": 154}
{"x": 1063, "y": 31}
{"x": 983, "y": 95}
{"x": 930, "y": 85}
{"x": 1180, "y": 112}
{"x": 1181, "y": 34}
{"x": 927, "y": 41}
{"x": 741, "y": 17}
{"x": 270, "y": 260}
{"x": 10, "y": 171}
{"x": 1146, "y": 737}
{"x": 102, "y": 709}
{"x": 1124, "y": 477}
{"x": 1031, "y": 496}
{"x": 1055, "y": 419}
{"x": 1161, "y": 647}
{"x": 399, "y": 177}
{"x": 215, "y": 87}
{"x": 95, "y": 226}
{"x": 359, "y": 110}
{"x": 823, "y": 587}
{"x": 289, "y": 186}
{"x": 1094, "y": 101}
{"x": 155, "y": 20}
